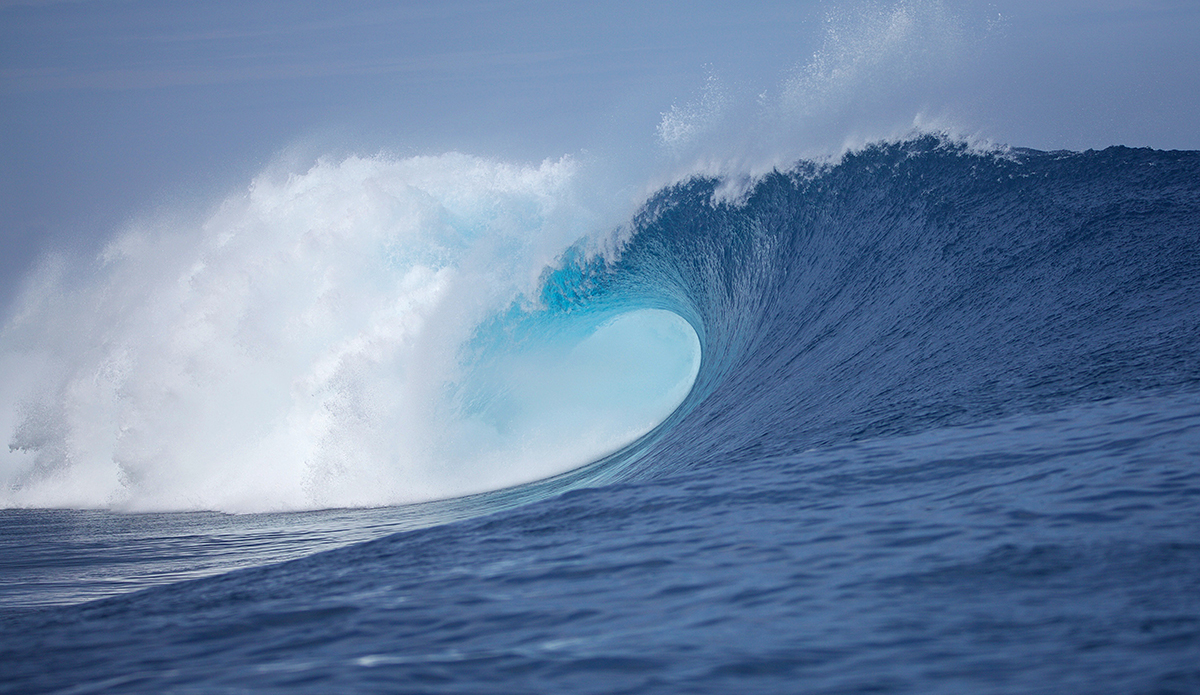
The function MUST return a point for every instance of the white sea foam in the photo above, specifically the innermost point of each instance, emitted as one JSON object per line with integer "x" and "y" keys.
{"x": 295, "y": 349}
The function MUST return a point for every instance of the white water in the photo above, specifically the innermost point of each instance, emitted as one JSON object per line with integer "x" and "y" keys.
{"x": 297, "y": 348}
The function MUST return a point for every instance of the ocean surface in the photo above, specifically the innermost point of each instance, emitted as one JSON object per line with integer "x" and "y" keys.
{"x": 923, "y": 418}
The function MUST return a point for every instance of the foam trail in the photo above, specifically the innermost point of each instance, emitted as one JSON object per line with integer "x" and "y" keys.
{"x": 301, "y": 348}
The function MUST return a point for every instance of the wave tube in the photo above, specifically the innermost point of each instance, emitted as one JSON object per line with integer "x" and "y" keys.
{"x": 304, "y": 348}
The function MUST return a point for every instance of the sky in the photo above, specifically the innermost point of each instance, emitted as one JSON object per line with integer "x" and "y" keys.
{"x": 112, "y": 108}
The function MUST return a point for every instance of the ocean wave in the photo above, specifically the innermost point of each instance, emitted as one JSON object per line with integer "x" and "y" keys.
{"x": 381, "y": 331}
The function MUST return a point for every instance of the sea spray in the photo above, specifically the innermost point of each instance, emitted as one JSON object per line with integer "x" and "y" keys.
{"x": 302, "y": 348}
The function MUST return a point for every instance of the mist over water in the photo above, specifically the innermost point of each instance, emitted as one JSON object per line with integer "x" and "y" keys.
{"x": 881, "y": 71}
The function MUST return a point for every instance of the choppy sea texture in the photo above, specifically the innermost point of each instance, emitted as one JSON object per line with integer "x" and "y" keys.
{"x": 942, "y": 436}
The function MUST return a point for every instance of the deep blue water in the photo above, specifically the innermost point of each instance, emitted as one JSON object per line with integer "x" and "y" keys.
{"x": 945, "y": 438}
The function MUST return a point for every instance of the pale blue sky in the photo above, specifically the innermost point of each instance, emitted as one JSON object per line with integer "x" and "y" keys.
{"x": 111, "y": 107}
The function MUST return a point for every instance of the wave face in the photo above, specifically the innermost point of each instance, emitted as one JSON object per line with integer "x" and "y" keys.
{"x": 380, "y": 331}
{"x": 913, "y": 286}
